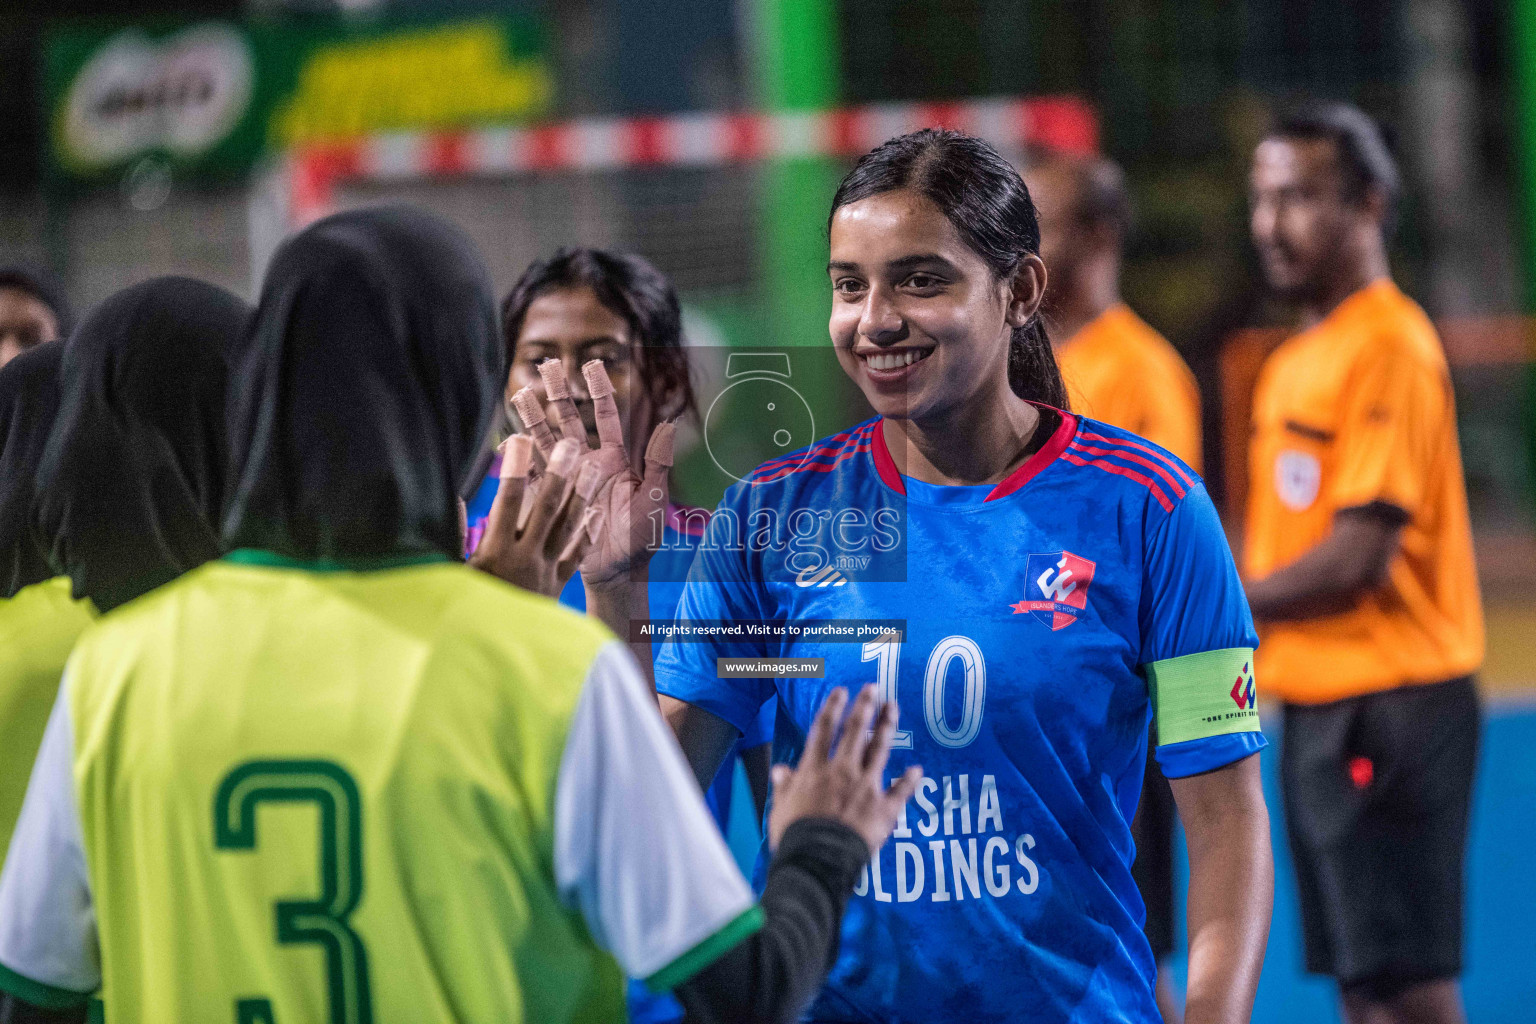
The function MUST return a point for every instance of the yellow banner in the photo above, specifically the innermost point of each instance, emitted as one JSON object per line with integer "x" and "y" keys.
{"x": 456, "y": 74}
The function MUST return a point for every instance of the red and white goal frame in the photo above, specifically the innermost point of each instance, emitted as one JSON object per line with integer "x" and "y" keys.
{"x": 307, "y": 178}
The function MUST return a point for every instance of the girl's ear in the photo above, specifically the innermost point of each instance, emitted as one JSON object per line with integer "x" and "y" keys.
{"x": 1026, "y": 290}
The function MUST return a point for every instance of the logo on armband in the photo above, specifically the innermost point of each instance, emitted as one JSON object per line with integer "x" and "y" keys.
{"x": 1242, "y": 690}
{"x": 1061, "y": 578}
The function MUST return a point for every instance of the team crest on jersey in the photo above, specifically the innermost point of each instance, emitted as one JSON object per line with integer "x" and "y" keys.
{"x": 1242, "y": 690}
{"x": 1056, "y": 588}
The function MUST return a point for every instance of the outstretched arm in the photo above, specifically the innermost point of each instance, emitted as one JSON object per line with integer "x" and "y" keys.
{"x": 830, "y": 814}
{"x": 638, "y": 855}
{"x": 1231, "y": 889}
{"x": 769, "y": 977}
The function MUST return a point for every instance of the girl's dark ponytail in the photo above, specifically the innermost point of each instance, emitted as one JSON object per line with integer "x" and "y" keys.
{"x": 989, "y": 205}
{"x": 1032, "y": 370}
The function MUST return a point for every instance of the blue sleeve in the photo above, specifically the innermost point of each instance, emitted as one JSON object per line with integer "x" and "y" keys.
{"x": 1180, "y": 760}
{"x": 761, "y": 731}
{"x": 1192, "y": 600}
{"x": 720, "y": 587}
{"x": 1193, "y": 603}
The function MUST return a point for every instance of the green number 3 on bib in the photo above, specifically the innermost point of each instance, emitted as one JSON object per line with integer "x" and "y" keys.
{"x": 322, "y": 921}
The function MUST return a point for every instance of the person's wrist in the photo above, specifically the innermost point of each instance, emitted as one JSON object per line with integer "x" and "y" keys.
{"x": 618, "y": 603}
{"x": 622, "y": 587}
{"x": 832, "y": 849}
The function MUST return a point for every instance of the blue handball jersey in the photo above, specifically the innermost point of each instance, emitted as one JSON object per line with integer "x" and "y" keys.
{"x": 1042, "y": 620}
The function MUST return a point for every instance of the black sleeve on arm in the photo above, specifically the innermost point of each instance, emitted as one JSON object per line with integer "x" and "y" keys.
{"x": 15, "y": 1011}
{"x": 771, "y": 976}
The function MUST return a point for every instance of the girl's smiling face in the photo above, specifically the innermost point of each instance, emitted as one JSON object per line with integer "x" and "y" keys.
{"x": 919, "y": 321}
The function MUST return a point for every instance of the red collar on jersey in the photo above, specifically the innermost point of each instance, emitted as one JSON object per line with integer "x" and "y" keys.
{"x": 886, "y": 466}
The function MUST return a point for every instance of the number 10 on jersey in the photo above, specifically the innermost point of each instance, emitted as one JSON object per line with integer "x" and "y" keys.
{"x": 886, "y": 654}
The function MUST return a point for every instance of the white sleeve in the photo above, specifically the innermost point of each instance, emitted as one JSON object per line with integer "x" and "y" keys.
{"x": 635, "y": 848}
{"x": 48, "y": 951}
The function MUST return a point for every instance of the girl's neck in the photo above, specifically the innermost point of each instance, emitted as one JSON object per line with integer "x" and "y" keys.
{"x": 978, "y": 441}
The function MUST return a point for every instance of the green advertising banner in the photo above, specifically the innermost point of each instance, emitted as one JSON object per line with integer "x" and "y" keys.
{"x": 210, "y": 97}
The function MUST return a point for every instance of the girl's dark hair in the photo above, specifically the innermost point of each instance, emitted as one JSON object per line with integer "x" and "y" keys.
{"x": 630, "y": 287}
{"x": 988, "y": 203}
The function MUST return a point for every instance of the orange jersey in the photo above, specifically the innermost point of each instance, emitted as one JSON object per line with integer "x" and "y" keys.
{"x": 1355, "y": 411}
{"x": 1121, "y": 371}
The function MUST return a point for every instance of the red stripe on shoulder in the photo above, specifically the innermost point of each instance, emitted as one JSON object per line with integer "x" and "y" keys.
{"x": 1118, "y": 470}
{"x": 1163, "y": 457}
{"x": 1160, "y": 468}
{"x": 802, "y": 466}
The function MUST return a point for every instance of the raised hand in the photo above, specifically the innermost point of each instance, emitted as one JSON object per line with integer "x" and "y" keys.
{"x": 847, "y": 785}
{"x": 541, "y": 527}
{"x": 632, "y": 508}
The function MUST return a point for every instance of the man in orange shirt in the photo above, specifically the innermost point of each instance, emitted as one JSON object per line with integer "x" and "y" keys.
{"x": 1359, "y": 556}
{"x": 1119, "y": 370}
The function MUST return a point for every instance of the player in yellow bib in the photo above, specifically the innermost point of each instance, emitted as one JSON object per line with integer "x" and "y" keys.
{"x": 340, "y": 776}
{"x": 111, "y": 473}
{"x": 39, "y": 621}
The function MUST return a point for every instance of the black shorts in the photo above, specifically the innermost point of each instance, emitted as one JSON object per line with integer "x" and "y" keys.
{"x": 1377, "y": 791}
{"x": 1152, "y": 828}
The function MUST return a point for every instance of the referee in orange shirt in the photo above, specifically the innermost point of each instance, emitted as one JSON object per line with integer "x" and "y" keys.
{"x": 1119, "y": 370}
{"x": 1359, "y": 558}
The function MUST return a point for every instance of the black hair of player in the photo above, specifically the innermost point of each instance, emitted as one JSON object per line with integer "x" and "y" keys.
{"x": 1361, "y": 148}
{"x": 630, "y": 287}
{"x": 988, "y": 203}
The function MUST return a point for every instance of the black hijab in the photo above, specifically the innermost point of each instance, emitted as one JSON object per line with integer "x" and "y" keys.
{"x": 366, "y": 384}
{"x": 132, "y": 481}
{"x": 29, "y": 401}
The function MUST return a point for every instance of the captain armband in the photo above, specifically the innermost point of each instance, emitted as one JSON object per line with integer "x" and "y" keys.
{"x": 1203, "y": 695}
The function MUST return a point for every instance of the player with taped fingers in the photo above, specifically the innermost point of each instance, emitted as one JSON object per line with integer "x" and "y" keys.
{"x": 628, "y": 502}
{"x": 1358, "y": 553}
{"x": 1118, "y": 370}
{"x": 1051, "y": 583}
{"x": 595, "y": 349}
{"x": 375, "y": 782}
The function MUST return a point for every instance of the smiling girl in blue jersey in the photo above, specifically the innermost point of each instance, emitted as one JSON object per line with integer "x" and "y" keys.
{"x": 1059, "y": 582}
